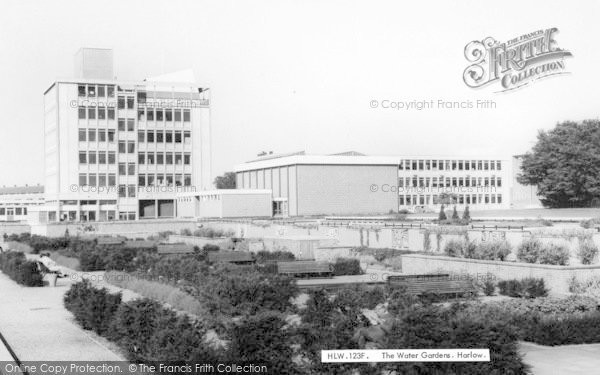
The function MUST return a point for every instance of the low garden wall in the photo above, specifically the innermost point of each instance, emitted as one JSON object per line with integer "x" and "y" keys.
{"x": 556, "y": 277}
{"x": 196, "y": 241}
{"x": 14, "y": 228}
{"x": 130, "y": 229}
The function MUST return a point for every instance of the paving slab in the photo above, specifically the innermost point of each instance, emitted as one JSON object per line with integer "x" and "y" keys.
{"x": 563, "y": 360}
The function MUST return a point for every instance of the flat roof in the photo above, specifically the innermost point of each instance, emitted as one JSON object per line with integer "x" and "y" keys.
{"x": 224, "y": 192}
{"x": 36, "y": 189}
{"x": 347, "y": 160}
{"x": 147, "y": 84}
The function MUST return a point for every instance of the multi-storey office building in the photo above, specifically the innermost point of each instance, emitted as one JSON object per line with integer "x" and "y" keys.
{"x": 352, "y": 183}
{"x": 122, "y": 150}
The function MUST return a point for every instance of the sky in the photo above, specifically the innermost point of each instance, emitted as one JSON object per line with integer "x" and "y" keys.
{"x": 287, "y": 76}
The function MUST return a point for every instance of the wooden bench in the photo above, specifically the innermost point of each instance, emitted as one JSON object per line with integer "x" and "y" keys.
{"x": 306, "y": 268}
{"x": 440, "y": 284}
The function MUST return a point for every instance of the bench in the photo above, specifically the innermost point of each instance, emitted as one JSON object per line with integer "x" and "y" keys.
{"x": 440, "y": 284}
{"x": 306, "y": 268}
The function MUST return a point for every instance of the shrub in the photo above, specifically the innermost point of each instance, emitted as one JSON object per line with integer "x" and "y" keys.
{"x": 16, "y": 266}
{"x": 587, "y": 252}
{"x": 589, "y": 287}
{"x": 93, "y": 308}
{"x": 492, "y": 250}
{"x": 442, "y": 215}
{"x": 185, "y": 232}
{"x": 347, "y": 266}
{"x": 212, "y": 233}
{"x": 454, "y": 248}
{"x": 455, "y": 214}
{"x": 524, "y": 288}
{"x": 576, "y": 329}
{"x": 555, "y": 254}
{"x": 274, "y": 256}
{"x": 529, "y": 250}
{"x": 489, "y": 287}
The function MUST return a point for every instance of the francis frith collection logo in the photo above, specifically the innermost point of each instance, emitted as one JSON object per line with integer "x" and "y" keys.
{"x": 515, "y": 63}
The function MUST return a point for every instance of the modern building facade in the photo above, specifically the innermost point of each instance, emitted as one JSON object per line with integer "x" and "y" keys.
{"x": 17, "y": 201}
{"x": 352, "y": 183}
{"x": 225, "y": 203}
{"x": 120, "y": 150}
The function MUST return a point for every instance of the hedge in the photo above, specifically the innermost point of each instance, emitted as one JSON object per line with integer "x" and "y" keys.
{"x": 524, "y": 288}
{"x": 93, "y": 308}
{"x": 16, "y": 266}
{"x": 347, "y": 266}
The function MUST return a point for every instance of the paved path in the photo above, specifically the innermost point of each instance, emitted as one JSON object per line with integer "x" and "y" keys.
{"x": 563, "y": 360}
{"x": 38, "y": 327}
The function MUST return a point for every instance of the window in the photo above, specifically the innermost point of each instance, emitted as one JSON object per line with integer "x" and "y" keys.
{"x": 168, "y": 114}
{"x": 187, "y": 159}
{"x": 187, "y": 180}
{"x": 101, "y": 113}
{"x": 178, "y": 115}
{"x": 499, "y": 182}
{"x": 92, "y": 113}
{"x": 160, "y": 136}
{"x": 179, "y": 180}
{"x": 159, "y": 115}
{"x": 122, "y": 147}
{"x": 150, "y": 180}
{"x": 177, "y": 137}
{"x": 169, "y": 158}
{"x": 141, "y": 158}
{"x": 82, "y": 135}
{"x": 121, "y": 126}
{"x": 141, "y": 136}
{"x": 92, "y": 135}
{"x": 101, "y": 157}
{"x": 81, "y": 113}
{"x": 130, "y": 147}
{"x": 169, "y": 137}
{"x": 2, "y": 211}
{"x": 91, "y": 90}
{"x": 122, "y": 169}
{"x": 186, "y": 115}
{"x": 150, "y": 114}
{"x": 141, "y": 115}
{"x": 150, "y": 137}
{"x": 92, "y": 180}
{"x": 82, "y": 180}
{"x": 111, "y": 113}
{"x": 101, "y": 135}
{"x": 142, "y": 180}
{"x": 121, "y": 102}
{"x": 81, "y": 90}
{"x": 82, "y": 157}
{"x": 130, "y": 125}
{"x": 112, "y": 179}
{"x": 168, "y": 180}
{"x": 486, "y": 165}
{"x": 160, "y": 158}
{"x": 122, "y": 191}
{"x": 130, "y": 102}
{"x": 111, "y": 157}
{"x": 499, "y": 198}
{"x": 499, "y": 168}
{"x": 101, "y": 180}
{"x": 92, "y": 158}
{"x": 187, "y": 139}
{"x": 131, "y": 192}
{"x": 178, "y": 159}
{"x": 111, "y": 136}
{"x": 131, "y": 169}
{"x": 150, "y": 158}
{"x": 110, "y": 90}
{"x": 101, "y": 90}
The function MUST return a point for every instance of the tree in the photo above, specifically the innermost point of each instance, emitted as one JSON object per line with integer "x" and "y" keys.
{"x": 564, "y": 164}
{"x": 466, "y": 214}
{"x": 442, "y": 214}
{"x": 226, "y": 181}
{"x": 454, "y": 214}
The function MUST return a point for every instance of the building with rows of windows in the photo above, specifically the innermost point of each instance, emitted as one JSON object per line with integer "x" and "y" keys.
{"x": 118, "y": 150}
{"x": 353, "y": 183}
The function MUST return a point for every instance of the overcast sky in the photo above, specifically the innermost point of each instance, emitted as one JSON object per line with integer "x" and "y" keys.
{"x": 300, "y": 75}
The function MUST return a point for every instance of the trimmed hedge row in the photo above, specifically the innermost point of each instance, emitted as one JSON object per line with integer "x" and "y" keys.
{"x": 524, "y": 288}
{"x": 16, "y": 266}
{"x": 143, "y": 328}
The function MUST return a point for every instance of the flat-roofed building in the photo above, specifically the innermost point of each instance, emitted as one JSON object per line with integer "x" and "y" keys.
{"x": 17, "y": 201}
{"x": 353, "y": 183}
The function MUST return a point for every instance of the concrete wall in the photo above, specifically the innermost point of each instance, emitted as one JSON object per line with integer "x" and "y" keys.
{"x": 130, "y": 229}
{"x": 345, "y": 189}
{"x": 14, "y": 228}
{"x": 198, "y": 241}
{"x": 246, "y": 205}
{"x": 556, "y": 278}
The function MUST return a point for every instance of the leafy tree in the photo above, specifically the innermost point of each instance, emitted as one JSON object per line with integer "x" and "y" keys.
{"x": 442, "y": 215}
{"x": 466, "y": 214}
{"x": 565, "y": 164}
{"x": 226, "y": 181}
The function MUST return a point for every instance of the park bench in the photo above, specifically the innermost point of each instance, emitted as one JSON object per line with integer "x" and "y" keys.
{"x": 305, "y": 268}
{"x": 439, "y": 284}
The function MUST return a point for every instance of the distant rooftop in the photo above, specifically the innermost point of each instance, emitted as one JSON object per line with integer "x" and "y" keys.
{"x": 35, "y": 189}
